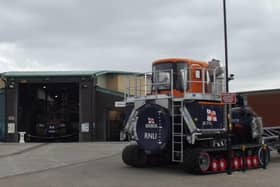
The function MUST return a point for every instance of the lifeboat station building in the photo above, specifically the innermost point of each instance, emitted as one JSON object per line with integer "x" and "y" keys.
{"x": 62, "y": 105}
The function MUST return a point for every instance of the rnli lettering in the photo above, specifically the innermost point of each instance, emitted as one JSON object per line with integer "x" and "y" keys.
{"x": 151, "y": 126}
{"x": 150, "y": 136}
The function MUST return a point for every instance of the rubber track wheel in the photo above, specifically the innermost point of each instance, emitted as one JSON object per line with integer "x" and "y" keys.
{"x": 132, "y": 155}
{"x": 127, "y": 154}
{"x": 189, "y": 162}
{"x": 141, "y": 159}
{"x": 268, "y": 157}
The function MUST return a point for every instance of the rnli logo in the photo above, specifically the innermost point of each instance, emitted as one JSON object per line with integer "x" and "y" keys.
{"x": 151, "y": 124}
{"x": 211, "y": 115}
{"x": 151, "y": 120}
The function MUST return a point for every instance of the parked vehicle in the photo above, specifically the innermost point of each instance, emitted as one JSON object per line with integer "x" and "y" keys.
{"x": 177, "y": 115}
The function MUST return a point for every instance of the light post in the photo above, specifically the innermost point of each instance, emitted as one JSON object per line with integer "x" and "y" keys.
{"x": 229, "y": 145}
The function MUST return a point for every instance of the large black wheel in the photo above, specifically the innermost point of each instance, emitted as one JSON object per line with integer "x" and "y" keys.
{"x": 264, "y": 156}
{"x": 132, "y": 155}
{"x": 196, "y": 161}
{"x": 127, "y": 154}
{"x": 189, "y": 161}
{"x": 203, "y": 161}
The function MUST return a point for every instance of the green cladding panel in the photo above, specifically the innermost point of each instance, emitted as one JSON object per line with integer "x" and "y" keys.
{"x": 2, "y": 115}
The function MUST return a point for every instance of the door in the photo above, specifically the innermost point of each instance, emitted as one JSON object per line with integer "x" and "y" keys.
{"x": 196, "y": 78}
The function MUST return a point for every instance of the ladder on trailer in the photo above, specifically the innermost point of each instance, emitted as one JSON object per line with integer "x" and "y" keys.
{"x": 177, "y": 131}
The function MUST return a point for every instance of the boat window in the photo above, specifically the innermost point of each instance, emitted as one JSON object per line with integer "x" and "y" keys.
{"x": 162, "y": 75}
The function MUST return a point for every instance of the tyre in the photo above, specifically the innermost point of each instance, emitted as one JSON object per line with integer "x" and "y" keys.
{"x": 204, "y": 162}
{"x": 189, "y": 161}
{"x": 264, "y": 156}
{"x": 196, "y": 161}
{"x": 132, "y": 155}
{"x": 127, "y": 154}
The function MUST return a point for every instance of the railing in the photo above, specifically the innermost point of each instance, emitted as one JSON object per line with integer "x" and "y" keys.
{"x": 187, "y": 81}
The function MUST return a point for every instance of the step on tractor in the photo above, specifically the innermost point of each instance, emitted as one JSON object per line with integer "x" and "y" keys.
{"x": 175, "y": 115}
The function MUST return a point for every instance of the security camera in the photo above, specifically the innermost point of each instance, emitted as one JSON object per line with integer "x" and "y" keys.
{"x": 231, "y": 77}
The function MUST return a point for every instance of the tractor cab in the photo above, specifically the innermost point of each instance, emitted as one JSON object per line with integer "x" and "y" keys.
{"x": 182, "y": 76}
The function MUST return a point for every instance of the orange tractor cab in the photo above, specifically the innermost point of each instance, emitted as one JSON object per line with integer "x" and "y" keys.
{"x": 176, "y": 115}
{"x": 195, "y": 72}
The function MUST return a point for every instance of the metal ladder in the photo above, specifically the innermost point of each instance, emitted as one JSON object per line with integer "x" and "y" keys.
{"x": 177, "y": 131}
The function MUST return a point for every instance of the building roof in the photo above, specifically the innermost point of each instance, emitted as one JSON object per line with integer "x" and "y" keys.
{"x": 260, "y": 91}
{"x": 110, "y": 92}
{"x": 63, "y": 73}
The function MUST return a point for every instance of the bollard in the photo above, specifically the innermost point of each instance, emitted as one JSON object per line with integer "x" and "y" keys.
{"x": 264, "y": 147}
{"x": 21, "y": 137}
{"x": 243, "y": 149}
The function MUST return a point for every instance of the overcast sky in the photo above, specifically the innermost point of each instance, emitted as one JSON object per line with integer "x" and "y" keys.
{"x": 130, "y": 34}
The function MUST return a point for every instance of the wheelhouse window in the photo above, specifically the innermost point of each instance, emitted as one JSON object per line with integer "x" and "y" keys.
{"x": 162, "y": 80}
{"x": 162, "y": 75}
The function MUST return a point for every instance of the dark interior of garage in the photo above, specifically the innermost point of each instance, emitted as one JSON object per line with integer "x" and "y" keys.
{"x": 49, "y": 112}
{"x": 114, "y": 124}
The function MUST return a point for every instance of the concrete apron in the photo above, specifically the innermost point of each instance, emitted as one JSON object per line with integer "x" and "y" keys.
{"x": 16, "y": 159}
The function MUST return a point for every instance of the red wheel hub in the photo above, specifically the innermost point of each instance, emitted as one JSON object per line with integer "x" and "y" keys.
{"x": 222, "y": 164}
{"x": 214, "y": 165}
{"x": 255, "y": 161}
{"x": 235, "y": 163}
{"x": 249, "y": 163}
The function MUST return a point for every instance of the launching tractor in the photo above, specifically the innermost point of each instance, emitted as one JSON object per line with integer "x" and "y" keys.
{"x": 175, "y": 115}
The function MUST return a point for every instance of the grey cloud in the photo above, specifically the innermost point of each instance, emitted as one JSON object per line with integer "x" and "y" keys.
{"x": 128, "y": 35}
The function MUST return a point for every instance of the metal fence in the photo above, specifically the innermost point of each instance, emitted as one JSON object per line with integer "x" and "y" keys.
{"x": 204, "y": 81}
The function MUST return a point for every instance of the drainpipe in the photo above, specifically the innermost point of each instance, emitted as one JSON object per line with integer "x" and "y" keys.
{"x": 5, "y": 108}
{"x": 92, "y": 108}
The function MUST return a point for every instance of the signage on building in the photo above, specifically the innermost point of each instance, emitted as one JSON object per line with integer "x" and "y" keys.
{"x": 11, "y": 128}
{"x": 120, "y": 104}
{"x": 85, "y": 127}
{"x": 229, "y": 98}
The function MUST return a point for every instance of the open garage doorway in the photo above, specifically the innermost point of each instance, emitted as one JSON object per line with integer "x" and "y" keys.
{"x": 114, "y": 124}
{"x": 48, "y": 112}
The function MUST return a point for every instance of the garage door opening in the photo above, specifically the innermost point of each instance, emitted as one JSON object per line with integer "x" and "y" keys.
{"x": 114, "y": 124}
{"x": 49, "y": 112}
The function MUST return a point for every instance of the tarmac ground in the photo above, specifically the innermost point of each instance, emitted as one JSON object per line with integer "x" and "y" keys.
{"x": 99, "y": 164}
